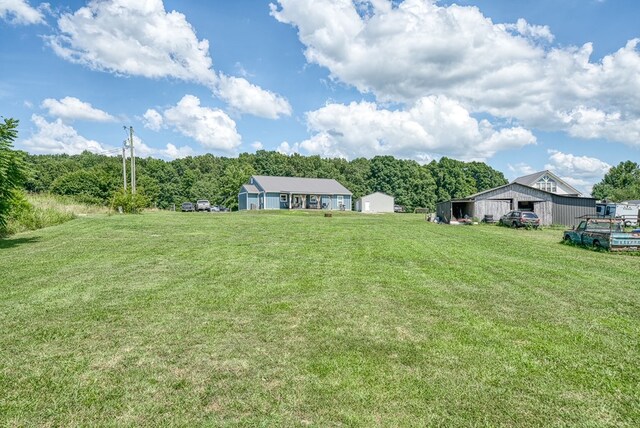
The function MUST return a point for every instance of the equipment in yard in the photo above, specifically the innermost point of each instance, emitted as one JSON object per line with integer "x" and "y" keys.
{"x": 603, "y": 233}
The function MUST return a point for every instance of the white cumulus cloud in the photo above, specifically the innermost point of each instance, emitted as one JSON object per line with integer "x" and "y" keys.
{"x": 72, "y": 108}
{"x": 580, "y": 167}
{"x": 140, "y": 38}
{"x": 171, "y": 151}
{"x": 134, "y": 38}
{"x": 433, "y": 126}
{"x": 244, "y": 96}
{"x": 581, "y": 172}
{"x": 402, "y": 52}
{"x": 57, "y": 138}
{"x": 152, "y": 120}
{"x": 20, "y": 12}
{"x": 212, "y": 128}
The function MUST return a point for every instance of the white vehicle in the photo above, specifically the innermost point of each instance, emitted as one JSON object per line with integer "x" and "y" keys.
{"x": 630, "y": 213}
{"x": 203, "y": 205}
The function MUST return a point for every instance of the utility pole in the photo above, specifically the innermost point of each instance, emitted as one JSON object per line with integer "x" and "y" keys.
{"x": 133, "y": 161}
{"x": 124, "y": 165}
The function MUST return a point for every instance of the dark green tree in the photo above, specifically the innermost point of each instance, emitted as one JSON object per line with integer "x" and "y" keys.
{"x": 13, "y": 172}
{"x": 621, "y": 183}
{"x": 452, "y": 180}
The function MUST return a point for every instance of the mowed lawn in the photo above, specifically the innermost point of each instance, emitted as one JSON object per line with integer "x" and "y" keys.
{"x": 293, "y": 319}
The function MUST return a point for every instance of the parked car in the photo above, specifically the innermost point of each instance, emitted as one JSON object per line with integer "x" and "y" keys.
{"x": 187, "y": 206}
{"x": 520, "y": 219}
{"x": 203, "y": 205}
{"x": 398, "y": 209}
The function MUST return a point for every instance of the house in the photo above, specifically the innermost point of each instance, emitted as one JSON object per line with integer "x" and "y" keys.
{"x": 548, "y": 181}
{"x": 557, "y": 203}
{"x": 376, "y": 202}
{"x": 287, "y": 193}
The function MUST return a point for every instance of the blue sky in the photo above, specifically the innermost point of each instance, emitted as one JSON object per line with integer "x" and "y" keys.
{"x": 521, "y": 85}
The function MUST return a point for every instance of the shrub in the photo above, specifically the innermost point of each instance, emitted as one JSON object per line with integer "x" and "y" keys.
{"x": 26, "y": 216}
{"x": 131, "y": 203}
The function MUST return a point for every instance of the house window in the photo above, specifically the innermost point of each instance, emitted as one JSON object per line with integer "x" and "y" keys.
{"x": 313, "y": 199}
{"x": 283, "y": 197}
{"x": 547, "y": 183}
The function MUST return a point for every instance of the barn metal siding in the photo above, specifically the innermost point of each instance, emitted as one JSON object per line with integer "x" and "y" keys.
{"x": 496, "y": 208}
{"x": 551, "y": 208}
{"x": 500, "y": 201}
{"x": 242, "y": 201}
{"x": 443, "y": 211}
{"x": 516, "y": 192}
{"x": 566, "y": 209}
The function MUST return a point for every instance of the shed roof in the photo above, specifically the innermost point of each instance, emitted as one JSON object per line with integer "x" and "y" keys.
{"x": 379, "y": 193}
{"x": 300, "y": 185}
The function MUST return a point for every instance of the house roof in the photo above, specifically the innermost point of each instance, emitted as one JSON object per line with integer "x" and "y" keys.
{"x": 531, "y": 179}
{"x": 300, "y": 185}
{"x": 250, "y": 188}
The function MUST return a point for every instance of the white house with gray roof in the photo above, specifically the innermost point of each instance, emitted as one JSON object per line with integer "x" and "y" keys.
{"x": 264, "y": 192}
{"x": 549, "y": 182}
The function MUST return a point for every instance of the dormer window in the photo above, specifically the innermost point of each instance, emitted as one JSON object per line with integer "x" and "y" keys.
{"x": 547, "y": 183}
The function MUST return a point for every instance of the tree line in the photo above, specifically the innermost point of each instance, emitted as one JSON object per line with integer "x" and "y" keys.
{"x": 96, "y": 178}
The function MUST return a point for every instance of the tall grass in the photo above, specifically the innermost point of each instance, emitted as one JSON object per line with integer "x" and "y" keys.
{"x": 37, "y": 211}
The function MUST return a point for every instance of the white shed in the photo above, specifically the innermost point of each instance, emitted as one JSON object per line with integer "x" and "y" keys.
{"x": 377, "y": 202}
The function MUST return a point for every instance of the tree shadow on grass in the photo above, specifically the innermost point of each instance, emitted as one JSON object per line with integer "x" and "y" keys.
{"x": 14, "y": 242}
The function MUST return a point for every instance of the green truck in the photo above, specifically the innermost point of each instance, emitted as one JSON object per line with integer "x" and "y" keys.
{"x": 604, "y": 233}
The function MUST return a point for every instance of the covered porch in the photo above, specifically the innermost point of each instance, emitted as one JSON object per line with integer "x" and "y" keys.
{"x": 304, "y": 201}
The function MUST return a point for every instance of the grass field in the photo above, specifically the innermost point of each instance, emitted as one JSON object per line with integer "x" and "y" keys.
{"x": 293, "y": 319}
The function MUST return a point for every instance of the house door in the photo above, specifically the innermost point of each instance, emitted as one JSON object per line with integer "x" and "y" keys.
{"x": 367, "y": 206}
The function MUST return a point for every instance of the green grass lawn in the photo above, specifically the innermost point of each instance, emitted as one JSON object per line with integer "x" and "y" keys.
{"x": 293, "y": 319}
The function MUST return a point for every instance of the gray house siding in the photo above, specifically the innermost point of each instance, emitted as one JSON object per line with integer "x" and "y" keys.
{"x": 252, "y": 202}
{"x": 264, "y": 192}
{"x": 272, "y": 201}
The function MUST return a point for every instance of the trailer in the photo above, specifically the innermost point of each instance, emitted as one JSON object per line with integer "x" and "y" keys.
{"x": 628, "y": 213}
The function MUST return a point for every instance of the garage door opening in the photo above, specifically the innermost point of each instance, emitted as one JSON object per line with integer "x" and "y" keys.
{"x": 460, "y": 210}
{"x": 525, "y": 205}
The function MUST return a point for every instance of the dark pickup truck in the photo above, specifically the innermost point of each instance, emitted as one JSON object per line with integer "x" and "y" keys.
{"x": 603, "y": 233}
